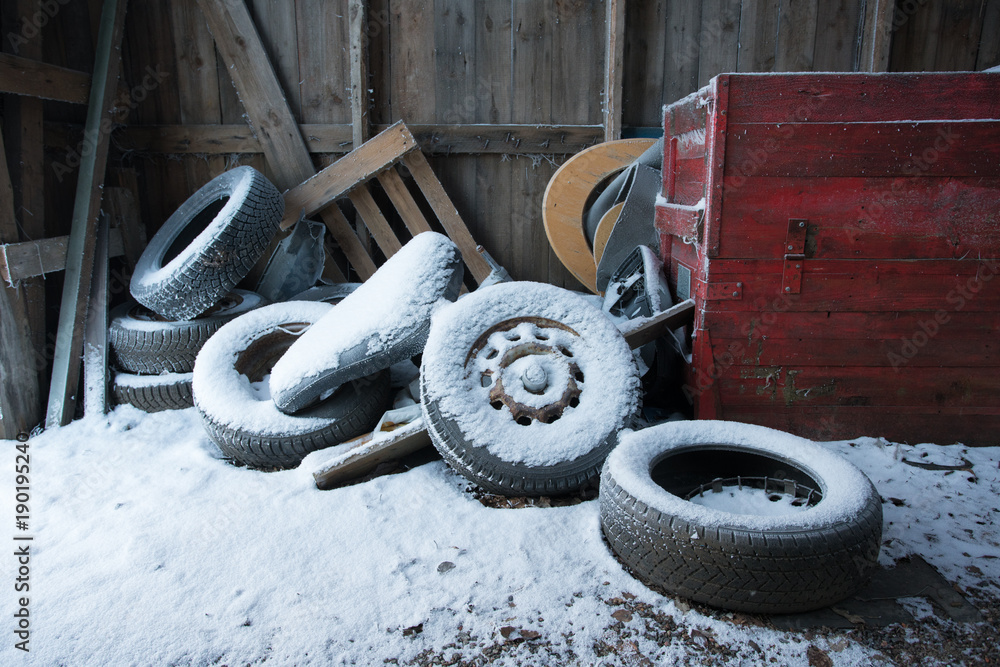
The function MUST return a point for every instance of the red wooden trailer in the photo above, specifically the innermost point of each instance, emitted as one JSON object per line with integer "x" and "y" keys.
{"x": 840, "y": 234}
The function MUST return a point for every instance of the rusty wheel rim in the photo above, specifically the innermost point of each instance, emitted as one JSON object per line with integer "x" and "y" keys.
{"x": 529, "y": 366}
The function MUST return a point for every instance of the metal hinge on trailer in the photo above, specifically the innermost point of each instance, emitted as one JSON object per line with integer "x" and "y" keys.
{"x": 795, "y": 249}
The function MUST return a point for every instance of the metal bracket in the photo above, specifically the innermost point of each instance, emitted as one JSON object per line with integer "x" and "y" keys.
{"x": 795, "y": 248}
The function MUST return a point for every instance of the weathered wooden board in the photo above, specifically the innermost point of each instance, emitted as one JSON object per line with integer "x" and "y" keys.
{"x": 24, "y": 76}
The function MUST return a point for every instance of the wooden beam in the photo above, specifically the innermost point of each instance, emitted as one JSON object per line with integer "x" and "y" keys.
{"x": 280, "y": 138}
{"x": 24, "y": 76}
{"x": 20, "y": 401}
{"x": 447, "y": 214}
{"x": 357, "y": 11}
{"x": 29, "y": 259}
{"x": 82, "y": 240}
{"x": 644, "y": 330}
{"x": 336, "y": 138}
{"x": 875, "y": 39}
{"x": 361, "y": 164}
{"x": 614, "y": 55}
{"x": 241, "y": 48}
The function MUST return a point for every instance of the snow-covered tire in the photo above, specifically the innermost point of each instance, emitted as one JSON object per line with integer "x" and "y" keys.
{"x": 143, "y": 342}
{"x": 806, "y": 558}
{"x": 382, "y": 322}
{"x": 153, "y": 393}
{"x": 208, "y": 245}
{"x": 489, "y": 426}
{"x": 242, "y": 419}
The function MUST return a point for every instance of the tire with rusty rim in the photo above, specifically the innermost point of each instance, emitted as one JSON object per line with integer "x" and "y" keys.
{"x": 231, "y": 393}
{"x": 143, "y": 342}
{"x": 208, "y": 245}
{"x": 740, "y": 517}
{"x": 525, "y": 387}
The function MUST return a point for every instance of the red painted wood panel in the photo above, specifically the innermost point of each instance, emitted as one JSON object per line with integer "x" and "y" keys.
{"x": 891, "y": 326}
{"x": 786, "y": 98}
{"x": 913, "y": 424}
{"x": 789, "y": 386}
{"x": 817, "y": 150}
{"x": 865, "y": 217}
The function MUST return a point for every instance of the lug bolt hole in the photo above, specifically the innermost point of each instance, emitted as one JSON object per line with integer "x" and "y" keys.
{"x": 496, "y": 405}
{"x": 524, "y": 421}
{"x": 573, "y": 402}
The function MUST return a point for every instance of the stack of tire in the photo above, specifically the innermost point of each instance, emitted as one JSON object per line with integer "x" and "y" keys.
{"x": 154, "y": 357}
{"x": 185, "y": 287}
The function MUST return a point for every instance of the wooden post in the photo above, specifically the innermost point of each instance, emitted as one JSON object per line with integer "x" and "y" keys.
{"x": 876, "y": 36}
{"x": 613, "y": 57}
{"x": 83, "y": 235}
{"x": 357, "y": 12}
{"x": 26, "y": 146}
{"x": 20, "y": 402}
{"x": 95, "y": 350}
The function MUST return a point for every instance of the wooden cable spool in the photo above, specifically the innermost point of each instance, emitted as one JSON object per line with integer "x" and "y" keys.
{"x": 567, "y": 195}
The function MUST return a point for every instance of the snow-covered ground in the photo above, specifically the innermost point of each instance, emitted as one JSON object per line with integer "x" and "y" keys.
{"x": 148, "y": 549}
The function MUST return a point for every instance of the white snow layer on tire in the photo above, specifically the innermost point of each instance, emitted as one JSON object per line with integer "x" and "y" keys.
{"x": 227, "y": 396}
{"x": 844, "y": 487}
{"x": 381, "y": 310}
{"x": 601, "y": 353}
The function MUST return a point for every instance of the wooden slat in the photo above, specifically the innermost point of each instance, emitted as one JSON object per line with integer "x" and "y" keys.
{"x": 95, "y": 344}
{"x": 876, "y": 36}
{"x": 361, "y": 164}
{"x": 324, "y": 72}
{"x": 336, "y": 138}
{"x": 347, "y": 239}
{"x": 988, "y": 54}
{"x": 357, "y": 11}
{"x": 241, "y": 48}
{"x": 23, "y": 76}
{"x": 447, "y": 215}
{"x": 374, "y": 220}
{"x": 28, "y": 259}
{"x": 927, "y": 149}
{"x": 80, "y": 253}
{"x": 929, "y": 218}
{"x": 20, "y": 402}
{"x": 276, "y": 23}
{"x": 758, "y": 31}
{"x": 720, "y": 36}
{"x": 980, "y": 427}
{"x": 127, "y": 229}
{"x": 796, "y": 40}
{"x": 836, "y": 26}
{"x": 644, "y": 330}
{"x": 239, "y": 43}
{"x": 413, "y": 88}
{"x": 614, "y": 50}
{"x": 404, "y": 202}
{"x": 362, "y": 454}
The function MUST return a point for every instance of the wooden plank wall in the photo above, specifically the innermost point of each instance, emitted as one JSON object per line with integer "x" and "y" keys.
{"x": 452, "y": 62}
{"x": 442, "y": 63}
